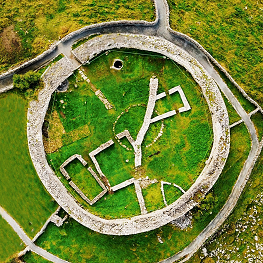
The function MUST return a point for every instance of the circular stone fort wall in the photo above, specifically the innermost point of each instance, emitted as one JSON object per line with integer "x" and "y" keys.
{"x": 60, "y": 71}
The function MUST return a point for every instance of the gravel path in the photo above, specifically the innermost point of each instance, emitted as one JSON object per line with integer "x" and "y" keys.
{"x": 20, "y": 232}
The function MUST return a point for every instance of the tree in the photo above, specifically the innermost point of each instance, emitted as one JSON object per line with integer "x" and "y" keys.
{"x": 29, "y": 80}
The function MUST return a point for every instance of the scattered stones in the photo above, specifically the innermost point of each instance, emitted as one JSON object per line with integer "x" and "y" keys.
{"x": 183, "y": 222}
{"x": 98, "y": 93}
{"x": 57, "y": 220}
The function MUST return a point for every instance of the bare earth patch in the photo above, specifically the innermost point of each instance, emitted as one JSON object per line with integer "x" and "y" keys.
{"x": 9, "y": 40}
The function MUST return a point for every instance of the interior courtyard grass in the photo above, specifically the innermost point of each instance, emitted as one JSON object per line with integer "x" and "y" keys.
{"x": 178, "y": 156}
{"x": 231, "y": 33}
{"x": 22, "y": 193}
{"x": 81, "y": 176}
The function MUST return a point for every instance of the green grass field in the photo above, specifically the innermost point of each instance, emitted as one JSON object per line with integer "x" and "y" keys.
{"x": 31, "y": 257}
{"x": 257, "y": 119}
{"x": 177, "y": 157}
{"x": 22, "y": 193}
{"x": 232, "y": 33}
{"x": 232, "y": 114}
{"x": 10, "y": 242}
{"x": 29, "y": 28}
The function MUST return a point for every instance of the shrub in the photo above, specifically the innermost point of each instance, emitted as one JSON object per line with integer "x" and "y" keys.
{"x": 26, "y": 81}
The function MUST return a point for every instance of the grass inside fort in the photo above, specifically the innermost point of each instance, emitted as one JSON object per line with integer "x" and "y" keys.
{"x": 22, "y": 193}
{"x": 178, "y": 156}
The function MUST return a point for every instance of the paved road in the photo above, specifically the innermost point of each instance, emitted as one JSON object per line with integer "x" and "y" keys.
{"x": 27, "y": 240}
{"x": 161, "y": 28}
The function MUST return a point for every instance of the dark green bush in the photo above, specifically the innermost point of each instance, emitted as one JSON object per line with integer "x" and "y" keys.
{"x": 29, "y": 80}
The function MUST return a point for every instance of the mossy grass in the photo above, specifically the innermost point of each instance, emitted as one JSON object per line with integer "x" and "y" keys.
{"x": 231, "y": 33}
{"x": 178, "y": 156}
{"x": 246, "y": 104}
{"x": 31, "y": 257}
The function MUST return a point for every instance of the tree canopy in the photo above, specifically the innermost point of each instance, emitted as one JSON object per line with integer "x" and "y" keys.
{"x": 26, "y": 81}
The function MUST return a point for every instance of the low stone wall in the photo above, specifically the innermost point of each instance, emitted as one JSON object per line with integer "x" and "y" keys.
{"x": 114, "y": 23}
{"x": 123, "y": 185}
{"x": 28, "y": 63}
{"x": 71, "y": 37}
{"x": 163, "y": 116}
{"x": 103, "y": 99}
{"x": 126, "y": 134}
{"x": 69, "y": 160}
{"x": 94, "y": 160}
{"x": 205, "y": 181}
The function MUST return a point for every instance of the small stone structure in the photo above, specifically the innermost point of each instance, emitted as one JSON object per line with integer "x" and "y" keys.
{"x": 117, "y": 64}
{"x": 69, "y": 160}
{"x": 73, "y": 185}
{"x": 103, "y": 99}
{"x": 63, "y": 86}
{"x": 186, "y": 106}
{"x": 57, "y": 220}
{"x": 142, "y": 223}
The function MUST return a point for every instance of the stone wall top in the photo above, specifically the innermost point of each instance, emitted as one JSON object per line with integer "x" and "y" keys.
{"x": 204, "y": 182}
